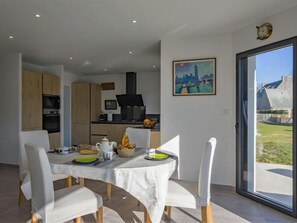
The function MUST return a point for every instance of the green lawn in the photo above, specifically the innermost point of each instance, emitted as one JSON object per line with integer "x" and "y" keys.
{"x": 274, "y": 143}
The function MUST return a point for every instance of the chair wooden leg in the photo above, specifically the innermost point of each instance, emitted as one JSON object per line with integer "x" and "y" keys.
{"x": 69, "y": 181}
{"x": 77, "y": 220}
{"x": 206, "y": 214}
{"x": 168, "y": 211}
{"x": 20, "y": 194}
{"x": 108, "y": 189}
{"x": 34, "y": 219}
{"x": 99, "y": 215}
{"x": 147, "y": 218}
{"x": 81, "y": 181}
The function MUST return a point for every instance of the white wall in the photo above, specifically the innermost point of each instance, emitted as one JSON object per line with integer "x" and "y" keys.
{"x": 194, "y": 119}
{"x": 197, "y": 118}
{"x": 148, "y": 84}
{"x": 68, "y": 78}
{"x": 284, "y": 27}
{"x": 10, "y": 79}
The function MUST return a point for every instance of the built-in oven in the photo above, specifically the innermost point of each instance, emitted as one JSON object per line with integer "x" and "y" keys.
{"x": 51, "y": 113}
{"x": 51, "y": 120}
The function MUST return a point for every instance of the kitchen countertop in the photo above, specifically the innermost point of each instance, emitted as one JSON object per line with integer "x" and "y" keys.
{"x": 118, "y": 122}
{"x": 156, "y": 129}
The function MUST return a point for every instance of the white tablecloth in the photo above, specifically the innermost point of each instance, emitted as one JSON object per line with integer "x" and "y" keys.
{"x": 146, "y": 180}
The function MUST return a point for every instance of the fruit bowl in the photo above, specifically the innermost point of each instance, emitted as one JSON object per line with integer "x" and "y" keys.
{"x": 149, "y": 124}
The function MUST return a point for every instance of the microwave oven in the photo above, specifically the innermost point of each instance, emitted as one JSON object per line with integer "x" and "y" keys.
{"x": 50, "y": 102}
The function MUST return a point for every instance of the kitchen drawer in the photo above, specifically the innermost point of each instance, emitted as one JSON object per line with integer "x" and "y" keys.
{"x": 101, "y": 129}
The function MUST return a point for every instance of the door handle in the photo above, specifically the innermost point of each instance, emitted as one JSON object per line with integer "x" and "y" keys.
{"x": 236, "y": 128}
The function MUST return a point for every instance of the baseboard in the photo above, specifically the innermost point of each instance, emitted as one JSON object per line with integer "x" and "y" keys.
{"x": 9, "y": 165}
{"x": 223, "y": 187}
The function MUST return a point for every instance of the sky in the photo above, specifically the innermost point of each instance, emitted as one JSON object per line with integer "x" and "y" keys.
{"x": 272, "y": 65}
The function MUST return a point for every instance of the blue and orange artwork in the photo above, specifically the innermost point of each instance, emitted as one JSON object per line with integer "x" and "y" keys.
{"x": 194, "y": 77}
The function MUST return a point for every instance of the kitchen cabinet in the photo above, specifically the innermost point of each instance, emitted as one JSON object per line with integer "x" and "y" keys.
{"x": 85, "y": 106}
{"x": 115, "y": 132}
{"x": 51, "y": 84}
{"x": 31, "y": 100}
{"x": 80, "y": 106}
{"x": 95, "y": 101}
{"x": 98, "y": 131}
{"x": 54, "y": 140}
{"x": 155, "y": 139}
{"x": 80, "y": 133}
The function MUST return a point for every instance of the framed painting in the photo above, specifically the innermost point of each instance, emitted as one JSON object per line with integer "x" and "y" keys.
{"x": 194, "y": 77}
{"x": 110, "y": 104}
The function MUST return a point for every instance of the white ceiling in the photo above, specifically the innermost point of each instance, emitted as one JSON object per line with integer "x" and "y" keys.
{"x": 99, "y": 34}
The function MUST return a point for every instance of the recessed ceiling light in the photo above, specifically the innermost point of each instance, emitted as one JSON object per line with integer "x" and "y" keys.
{"x": 10, "y": 37}
{"x": 70, "y": 58}
{"x": 134, "y": 21}
{"x": 87, "y": 63}
{"x": 37, "y": 15}
{"x": 130, "y": 52}
{"x": 105, "y": 69}
{"x": 154, "y": 66}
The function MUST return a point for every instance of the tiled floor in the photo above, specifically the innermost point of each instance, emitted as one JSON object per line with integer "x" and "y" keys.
{"x": 227, "y": 206}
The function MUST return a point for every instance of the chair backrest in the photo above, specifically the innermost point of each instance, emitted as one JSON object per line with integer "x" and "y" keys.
{"x": 41, "y": 180}
{"x": 38, "y": 138}
{"x": 205, "y": 169}
{"x": 140, "y": 137}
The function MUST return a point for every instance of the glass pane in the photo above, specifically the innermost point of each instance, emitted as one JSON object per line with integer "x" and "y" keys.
{"x": 270, "y": 125}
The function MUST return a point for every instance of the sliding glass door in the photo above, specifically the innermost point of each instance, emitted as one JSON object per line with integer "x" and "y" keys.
{"x": 266, "y": 125}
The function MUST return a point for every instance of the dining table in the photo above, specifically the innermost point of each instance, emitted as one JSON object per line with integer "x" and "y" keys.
{"x": 145, "y": 179}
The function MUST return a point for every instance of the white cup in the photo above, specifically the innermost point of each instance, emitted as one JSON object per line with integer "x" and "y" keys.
{"x": 150, "y": 151}
{"x": 109, "y": 155}
{"x": 63, "y": 150}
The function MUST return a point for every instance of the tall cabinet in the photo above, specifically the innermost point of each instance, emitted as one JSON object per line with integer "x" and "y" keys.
{"x": 50, "y": 84}
{"x": 31, "y": 101}
{"x": 34, "y": 85}
{"x": 85, "y": 107}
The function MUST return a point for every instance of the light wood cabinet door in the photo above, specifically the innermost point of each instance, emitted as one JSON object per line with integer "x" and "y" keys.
{"x": 51, "y": 84}
{"x": 80, "y": 134}
{"x": 80, "y": 106}
{"x": 112, "y": 133}
{"x": 54, "y": 140}
{"x": 96, "y": 138}
{"x": 100, "y": 129}
{"x": 95, "y": 101}
{"x": 31, "y": 100}
{"x": 155, "y": 139}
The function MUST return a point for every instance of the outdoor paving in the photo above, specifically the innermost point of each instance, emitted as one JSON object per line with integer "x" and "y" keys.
{"x": 275, "y": 181}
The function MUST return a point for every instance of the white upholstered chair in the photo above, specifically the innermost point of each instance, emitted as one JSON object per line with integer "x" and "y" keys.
{"x": 38, "y": 138}
{"x": 193, "y": 195}
{"x": 141, "y": 138}
{"x": 49, "y": 206}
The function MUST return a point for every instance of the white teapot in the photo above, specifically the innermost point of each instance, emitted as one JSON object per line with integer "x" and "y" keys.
{"x": 105, "y": 145}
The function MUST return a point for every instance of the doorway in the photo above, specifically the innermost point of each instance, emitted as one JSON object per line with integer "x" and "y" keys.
{"x": 265, "y": 124}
